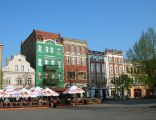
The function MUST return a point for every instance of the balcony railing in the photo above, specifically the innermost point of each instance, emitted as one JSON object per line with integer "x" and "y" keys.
{"x": 50, "y": 67}
{"x": 51, "y": 81}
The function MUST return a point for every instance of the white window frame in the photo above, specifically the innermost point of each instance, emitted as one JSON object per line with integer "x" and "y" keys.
{"x": 73, "y": 60}
{"x": 40, "y": 76}
{"x": 16, "y": 67}
{"x": 39, "y": 48}
{"x": 68, "y": 59}
{"x": 59, "y": 63}
{"x": 46, "y": 49}
{"x": 111, "y": 69}
{"x": 78, "y": 60}
{"x": 39, "y": 62}
{"x": 51, "y": 50}
{"x": 46, "y": 62}
{"x": 22, "y": 68}
{"x": 83, "y": 61}
{"x": 52, "y": 62}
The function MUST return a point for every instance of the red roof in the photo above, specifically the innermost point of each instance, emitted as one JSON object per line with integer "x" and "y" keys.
{"x": 41, "y": 35}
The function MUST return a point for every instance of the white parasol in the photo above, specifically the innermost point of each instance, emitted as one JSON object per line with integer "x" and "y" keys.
{"x": 73, "y": 90}
{"x": 49, "y": 92}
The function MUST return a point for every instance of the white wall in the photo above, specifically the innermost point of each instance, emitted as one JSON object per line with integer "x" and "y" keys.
{"x": 10, "y": 72}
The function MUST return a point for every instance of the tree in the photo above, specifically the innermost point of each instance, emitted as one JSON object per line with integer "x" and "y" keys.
{"x": 125, "y": 83}
{"x": 144, "y": 53}
{"x": 1, "y": 79}
{"x": 26, "y": 77}
{"x": 122, "y": 83}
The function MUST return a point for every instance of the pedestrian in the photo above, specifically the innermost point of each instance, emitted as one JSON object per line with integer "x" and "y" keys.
{"x": 53, "y": 103}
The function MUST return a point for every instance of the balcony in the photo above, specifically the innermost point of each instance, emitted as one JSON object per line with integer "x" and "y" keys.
{"x": 51, "y": 81}
{"x": 50, "y": 67}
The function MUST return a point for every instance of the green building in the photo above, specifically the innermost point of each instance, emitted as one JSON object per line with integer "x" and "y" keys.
{"x": 44, "y": 51}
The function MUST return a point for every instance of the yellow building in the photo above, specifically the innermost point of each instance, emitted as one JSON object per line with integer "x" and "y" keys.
{"x": 138, "y": 89}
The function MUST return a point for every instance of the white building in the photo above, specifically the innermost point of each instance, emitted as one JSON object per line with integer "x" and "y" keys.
{"x": 18, "y": 73}
{"x": 114, "y": 63}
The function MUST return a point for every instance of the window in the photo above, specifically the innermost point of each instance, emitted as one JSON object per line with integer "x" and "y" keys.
{"x": 59, "y": 76}
{"x": 59, "y": 50}
{"x": 111, "y": 69}
{"x": 39, "y": 75}
{"x": 16, "y": 67}
{"x": 59, "y": 63}
{"x": 116, "y": 70}
{"x": 82, "y": 75}
{"x": 71, "y": 75}
{"x": 92, "y": 67}
{"x": 78, "y": 61}
{"x": 68, "y": 59}
{"x": 22, "y": 68}
{"x": 110, "y": 59}
{"x": 8, "y": 80}
{"x": 98, "y": 67}
{"x": 115, "y": 60}
{"x": 53, "y": 75}
{"x": 83, "y": 50}
{"x": 52, "y": 62}
{"x": 67, "y": 49}
{"x": 46, "y": 49}
{"x": 29, "y": 81}
{"x": 39, "y": 62}
{"x": 73, "y": 50}
{"x": 120, "y": 60}
{"x": 83, "y": 61}
{"x": 131, "y": 70}
{"x": 73, "y": 60}
{"x": 127, "y": 69}
{"x": 46, "y": 62}
{"x": 45, "y": 75}
{"x": 120, "y": 69}
{"x": 78, "y": 50}
{"x": 51, "y": 50}
{"x": 103, "y": 68}
{"x": 39, "y": 48}
{"x": 19, "y": 81}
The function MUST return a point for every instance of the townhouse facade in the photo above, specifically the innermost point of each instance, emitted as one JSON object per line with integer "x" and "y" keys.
{"x": 18, "y": 73}
{"x": 137, "y": 89}
{"x": 114, "y": 64}
{"x": 44, "y": 51}
{"x": 75, "y": 62}
{"x": 62, "y": 62}
{"x": 96, "y": 74}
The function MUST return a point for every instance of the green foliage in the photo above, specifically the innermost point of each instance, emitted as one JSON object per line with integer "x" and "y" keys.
{"x": 123, "y": 81}
{"x": 144, "y": 53}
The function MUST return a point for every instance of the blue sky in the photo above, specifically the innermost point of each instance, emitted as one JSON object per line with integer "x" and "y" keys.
{"x": 103, "y": 24}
